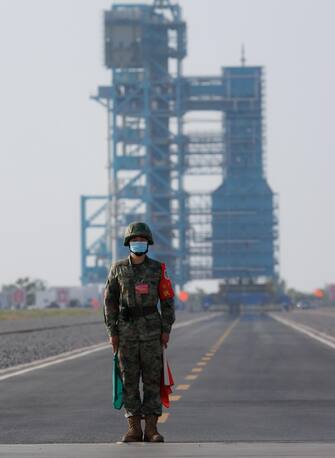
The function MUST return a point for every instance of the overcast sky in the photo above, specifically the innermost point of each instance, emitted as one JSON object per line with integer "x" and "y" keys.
{"x": 52, "y": 142}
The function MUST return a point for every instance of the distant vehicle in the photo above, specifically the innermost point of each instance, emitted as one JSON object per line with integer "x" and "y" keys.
{"x": 53, "y": 305}
{"x": 74, "y": 303}
{"x": 304, "y": 305}
{"x": 207, "y": 302}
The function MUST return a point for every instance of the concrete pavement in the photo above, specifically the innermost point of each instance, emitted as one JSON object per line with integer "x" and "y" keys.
{"x": 201, "y": 450}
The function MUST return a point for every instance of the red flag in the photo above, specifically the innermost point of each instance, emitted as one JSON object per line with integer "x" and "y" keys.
{"x": 165, "y": 290}
{"x": 167, "y": 382}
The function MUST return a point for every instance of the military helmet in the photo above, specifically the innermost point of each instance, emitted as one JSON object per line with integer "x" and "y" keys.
{"x": 138, "y": 229}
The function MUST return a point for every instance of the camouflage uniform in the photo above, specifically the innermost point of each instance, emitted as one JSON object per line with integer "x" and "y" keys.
{"x": 130, "y": 311}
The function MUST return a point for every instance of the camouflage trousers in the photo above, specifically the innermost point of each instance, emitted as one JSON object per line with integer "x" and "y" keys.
{"x": 141, "y": 360}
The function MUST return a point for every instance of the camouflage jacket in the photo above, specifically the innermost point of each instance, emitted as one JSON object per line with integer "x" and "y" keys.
{"x": 123, "y": 289}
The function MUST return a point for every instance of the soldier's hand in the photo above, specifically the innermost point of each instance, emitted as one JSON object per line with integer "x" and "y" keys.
{"x": 114, "y": 341}
{"x": 165, "y": 339}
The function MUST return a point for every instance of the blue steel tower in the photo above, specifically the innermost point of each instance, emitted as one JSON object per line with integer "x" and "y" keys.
{"x": 144, "y": 49}
{"x": 229, "y": 234}
{"x": 244, "y": 224}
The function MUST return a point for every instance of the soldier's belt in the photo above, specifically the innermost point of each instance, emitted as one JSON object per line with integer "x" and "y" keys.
{"x": 137, "y": 312}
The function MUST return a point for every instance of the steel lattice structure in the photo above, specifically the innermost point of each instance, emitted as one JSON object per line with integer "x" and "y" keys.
{"x": 199, "y": 234}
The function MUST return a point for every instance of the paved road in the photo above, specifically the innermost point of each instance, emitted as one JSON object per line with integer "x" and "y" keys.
{"x": 194, "y": 450}
{"x": 320, "y": 319}
{"x": 25, "y": 340}
{"x": 257, "y": 380}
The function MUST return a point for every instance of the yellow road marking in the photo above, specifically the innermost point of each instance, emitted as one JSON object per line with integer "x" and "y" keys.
{"x": 183, "y": 387}
{"x": 225, "y": 335}
{"x": 163, "y": 418}
{"x": 191, "y": 377}
{"x": 174, "y": 397}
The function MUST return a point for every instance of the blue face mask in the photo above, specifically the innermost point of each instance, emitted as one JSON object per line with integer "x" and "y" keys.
{"x": 138, "y": 248}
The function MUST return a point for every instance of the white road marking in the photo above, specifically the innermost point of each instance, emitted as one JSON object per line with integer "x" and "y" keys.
{"x": 326, "y": 339}
{"x": 42, "y": 363}
{"x": 84, "y": 351}
{"x": 196, "y": 320}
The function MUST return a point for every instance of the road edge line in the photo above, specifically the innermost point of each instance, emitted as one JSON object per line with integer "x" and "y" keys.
{"x": 307, "y": 330}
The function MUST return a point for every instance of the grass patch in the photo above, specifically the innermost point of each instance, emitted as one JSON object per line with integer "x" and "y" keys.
{"x": 40, "y": 313}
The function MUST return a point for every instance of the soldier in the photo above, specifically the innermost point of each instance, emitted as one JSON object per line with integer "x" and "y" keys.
{"x": 137, "y": 331}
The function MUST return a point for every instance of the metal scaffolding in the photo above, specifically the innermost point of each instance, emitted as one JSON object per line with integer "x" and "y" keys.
{"x": 144, "y": 48}
{"x": 151, "y": 153}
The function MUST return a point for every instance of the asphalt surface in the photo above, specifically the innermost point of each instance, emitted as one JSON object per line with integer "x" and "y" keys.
{"x": 262, "y": 382}
{"x": 26, "y": 340}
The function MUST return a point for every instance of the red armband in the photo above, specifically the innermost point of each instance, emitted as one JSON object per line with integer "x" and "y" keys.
{"x": 165, "y": 290}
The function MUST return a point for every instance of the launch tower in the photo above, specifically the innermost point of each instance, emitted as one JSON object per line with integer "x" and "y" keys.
{"x": 228, "y": 234}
